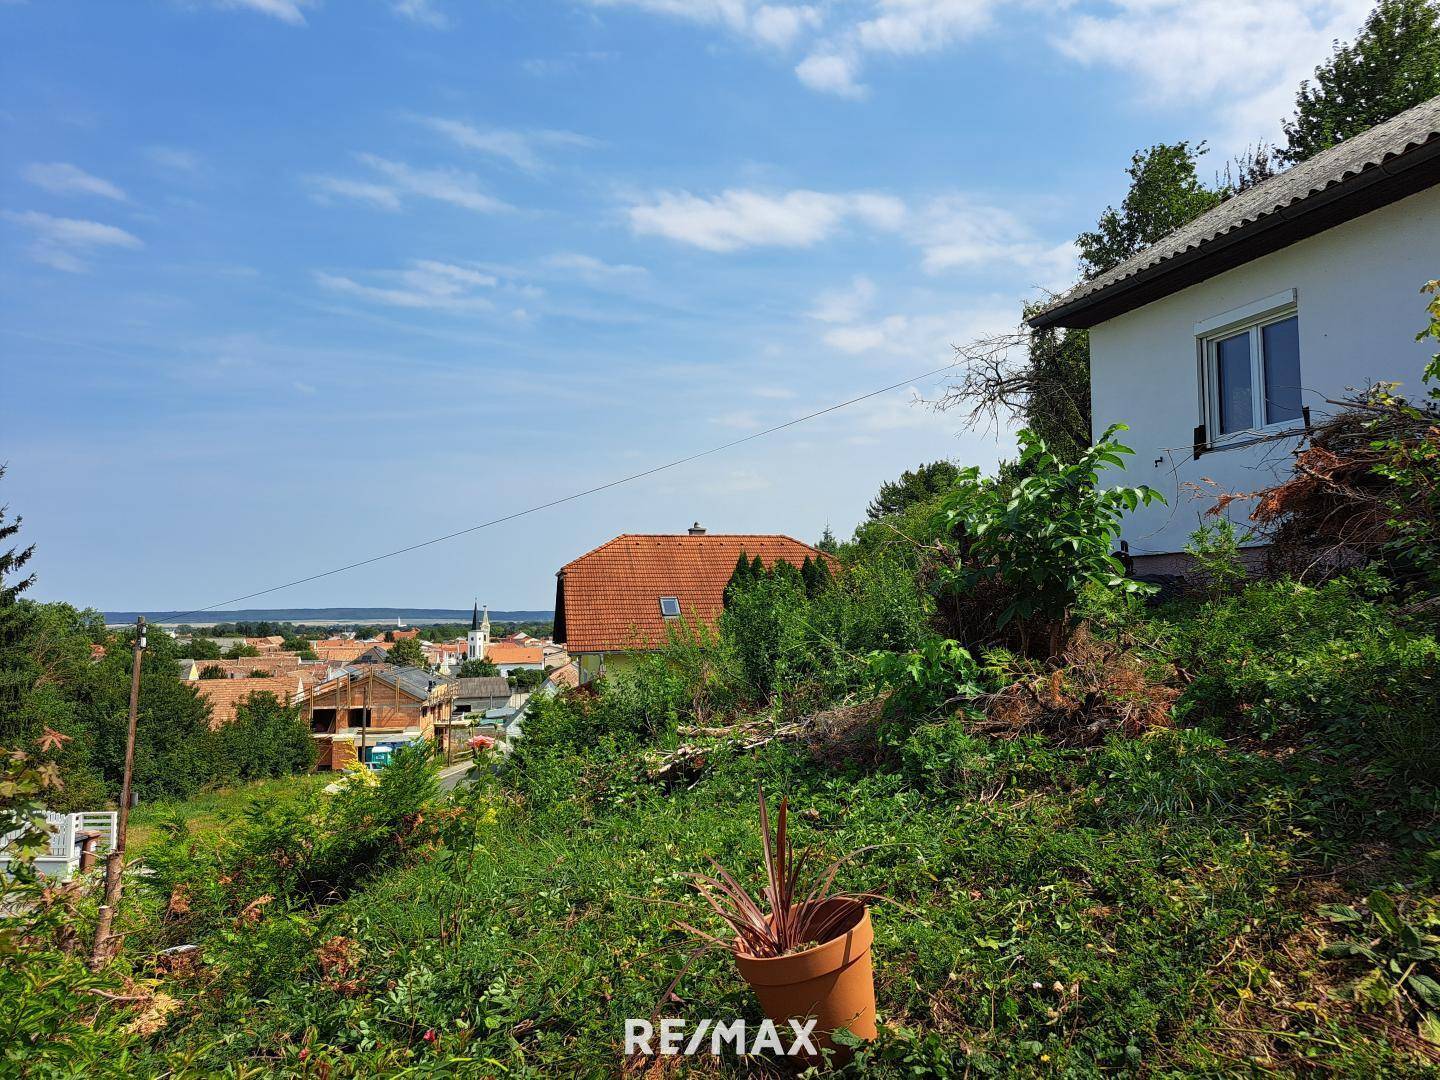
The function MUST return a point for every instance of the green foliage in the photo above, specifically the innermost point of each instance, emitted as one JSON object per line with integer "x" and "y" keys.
{"x": 1398, "y": 950}
{"x": 1392, "y": 65}
{"x": 477, "y": 669}
{"x": 1215, "y": 549}
{"x": 266, "y": 739}
{"x": 526, "y": 678}
{"x": 940, "y": 672}
{"x": 309, "y": 850}
{"x": 241, "y": 651}
{"x": 1332, "y": 657}
{"x": 1165, "y": 193}
{"x": 1020, "y": 553}
{"x": 914, "y": 486}
{"x": 407, "y": 652}
{"x": 198, "y": 648}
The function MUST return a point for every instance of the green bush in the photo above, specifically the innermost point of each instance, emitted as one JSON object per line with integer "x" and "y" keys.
{"x": 266, "y": 739}
{"x": 1017, "y": 554}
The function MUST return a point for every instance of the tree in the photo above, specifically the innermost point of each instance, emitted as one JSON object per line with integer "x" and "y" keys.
{"x": 199, "y": 648}
{"x": 827, "y": 542}
{"x": 13, "y": 559}
{"x": 1165, "y": 193}
{"x": 477, "y": 669}
{"x": 914, "y": 486}
{"x": 815, "y": 573}
{"x": 742, "y": 575}
{"x": 408, "y": 653}
{"x": 1043, "y": 376}
{"x": 212, "y": 671}
{"x": 240, "y": 650}
{"x": 1392, "y": 65}
{"x": 266, "y": 739}
{"x": 14, "y": 617}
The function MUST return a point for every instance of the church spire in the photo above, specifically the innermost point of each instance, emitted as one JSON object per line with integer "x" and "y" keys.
{"x": 485, "y": 621}
{"x": 475, "y": 616}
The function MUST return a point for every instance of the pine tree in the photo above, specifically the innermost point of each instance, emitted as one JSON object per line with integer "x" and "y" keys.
{"x": 16, "y": 675}
{"x": 13, "y": 560}
{"x": 757, "y": 569}
{"x": 739, "y": 578}
{"x": 1392, "y": 65}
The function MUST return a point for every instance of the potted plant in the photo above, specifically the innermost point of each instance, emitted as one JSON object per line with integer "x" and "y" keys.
{"x": 803, "y": 949}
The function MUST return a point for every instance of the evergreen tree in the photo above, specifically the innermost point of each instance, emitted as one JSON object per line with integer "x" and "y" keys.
{"x": 816, "y": 575}
{"x": 15, "y": 623}
{"x": 827, "y": 542}
{"x": 757, "y": 569}
{"x": 1392, "y": 65}
{"x": 739, "y": 578}
{"x": 914, "y": 486}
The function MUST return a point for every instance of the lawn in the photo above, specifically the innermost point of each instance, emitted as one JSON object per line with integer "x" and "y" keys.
{"x": 212, "y": 810}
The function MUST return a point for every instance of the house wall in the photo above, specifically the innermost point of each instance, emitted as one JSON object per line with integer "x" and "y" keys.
{"x": 1359, "y": 309}
{"x": 387, "y": 717}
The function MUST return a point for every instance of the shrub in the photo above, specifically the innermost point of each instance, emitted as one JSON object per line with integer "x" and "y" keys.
{"x": 941, "y": 672}
{"x": 1215, "y": 549}
{"x": 267, "y": 739}
{"x": 1016, "y": 554}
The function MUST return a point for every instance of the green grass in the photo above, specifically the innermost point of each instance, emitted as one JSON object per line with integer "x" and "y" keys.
{"x": 212, "y": 810}
{"x": 1140, "y": 906}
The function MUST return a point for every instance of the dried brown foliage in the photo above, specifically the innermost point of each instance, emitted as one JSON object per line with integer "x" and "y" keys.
{"x": 1336, "y": 507}
{"x": 1092, "y": 688}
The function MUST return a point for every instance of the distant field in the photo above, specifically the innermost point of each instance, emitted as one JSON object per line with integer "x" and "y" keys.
{"x": 323, "y": 616}
{"x": 211, "y": 810}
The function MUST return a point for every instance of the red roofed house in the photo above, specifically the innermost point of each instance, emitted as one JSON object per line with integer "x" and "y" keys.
{"x": 225, "y": 695}
{"x": 508, "y": 657}
{"x": 622, "y": 597}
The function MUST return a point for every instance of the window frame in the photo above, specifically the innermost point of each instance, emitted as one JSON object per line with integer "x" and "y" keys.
{"x": 1252, "y": 319}
{"x": 665, "y": 614}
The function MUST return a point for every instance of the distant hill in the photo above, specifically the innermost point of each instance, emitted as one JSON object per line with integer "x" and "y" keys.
{"x": 325, "y": 616}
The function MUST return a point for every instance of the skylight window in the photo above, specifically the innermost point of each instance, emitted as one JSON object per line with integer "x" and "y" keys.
{"x": 670, "y": 607}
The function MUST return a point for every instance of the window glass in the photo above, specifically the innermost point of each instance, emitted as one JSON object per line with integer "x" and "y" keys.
{"x": 1280, "y": 346}
{"x": 1232, "y": 369}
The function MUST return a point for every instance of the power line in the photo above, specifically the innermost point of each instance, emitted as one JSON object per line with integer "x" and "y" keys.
{"x": 567, "y": 498}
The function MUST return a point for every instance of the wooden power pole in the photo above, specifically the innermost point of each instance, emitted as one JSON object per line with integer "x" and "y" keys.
{"x": 115, "y": 860}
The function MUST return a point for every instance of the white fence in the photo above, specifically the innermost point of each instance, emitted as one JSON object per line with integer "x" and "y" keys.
{"x": 62, "y": 851}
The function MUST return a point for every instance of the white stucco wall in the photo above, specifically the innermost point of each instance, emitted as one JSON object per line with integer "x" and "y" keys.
{"x": 1359, "y": 305}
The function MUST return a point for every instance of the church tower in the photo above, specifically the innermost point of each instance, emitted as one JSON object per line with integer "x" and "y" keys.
{"x": 478, "y": 640}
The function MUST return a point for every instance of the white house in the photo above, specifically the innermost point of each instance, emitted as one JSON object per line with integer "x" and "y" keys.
{"x": 1215, "y": 343}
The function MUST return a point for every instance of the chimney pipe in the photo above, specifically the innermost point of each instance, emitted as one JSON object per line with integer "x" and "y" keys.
{"x": 697, "y": 529}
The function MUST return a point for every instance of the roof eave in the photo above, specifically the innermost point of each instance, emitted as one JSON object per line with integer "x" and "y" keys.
{"x": 1356, "y": 195}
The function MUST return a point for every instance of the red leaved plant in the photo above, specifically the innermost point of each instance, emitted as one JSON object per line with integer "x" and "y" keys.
{"x": 801, "y": 913}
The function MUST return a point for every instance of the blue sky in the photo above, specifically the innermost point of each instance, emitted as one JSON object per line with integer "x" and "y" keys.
{"x": 286, "y": 284}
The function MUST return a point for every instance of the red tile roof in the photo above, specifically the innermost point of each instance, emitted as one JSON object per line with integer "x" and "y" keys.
{"x": 506, "y": 652}
{"x": 608, "y": 600}
{"x": 225, "y": 694}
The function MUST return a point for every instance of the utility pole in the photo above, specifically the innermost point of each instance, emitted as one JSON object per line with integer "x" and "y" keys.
{"x": 115, "y": 860}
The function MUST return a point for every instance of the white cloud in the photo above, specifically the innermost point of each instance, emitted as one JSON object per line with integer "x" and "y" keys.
{"x": 592, "y": 269}
{"x": 924, "y": 336}
{"x": 174, "y": 159}
{"x": 426, "y": 284}
{"x": 399, "y": 180}
{"x": 520, "y": 148}
{"x": 284, "y": 10}
{"x": 67, "y": 243}
{"x": 62, "y": 178}
{"x": 774, "y": 393}
{"x": 844, "y": 305}
{"x": 423, "y": 12}
{"x": 832, "y": 73}
{"x": 740, "y": 419}
{"x": 772, "y": 25}
{"x": 957, "y": 232}
{"x": 741, "y": 218}
{"x": 1190, "y": 51}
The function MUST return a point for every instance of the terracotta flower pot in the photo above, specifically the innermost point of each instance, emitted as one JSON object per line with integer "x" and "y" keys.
{"x": 833, "y": 982}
